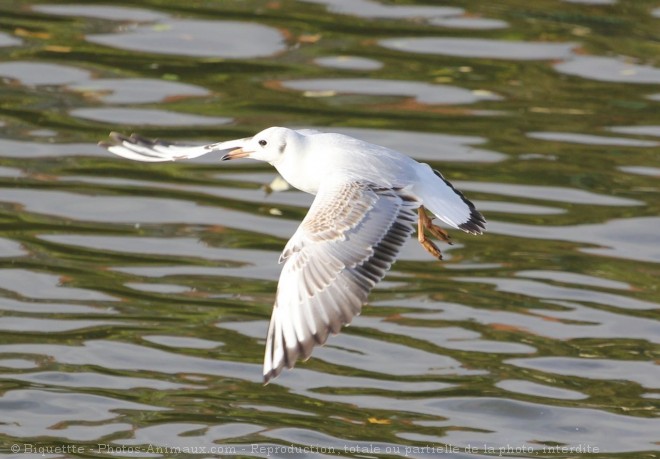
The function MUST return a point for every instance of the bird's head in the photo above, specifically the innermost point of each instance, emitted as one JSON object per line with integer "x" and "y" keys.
{"x": 269, "y": 145}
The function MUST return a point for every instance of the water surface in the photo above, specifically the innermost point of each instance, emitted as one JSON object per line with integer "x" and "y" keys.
{"x": 135, "y": 298}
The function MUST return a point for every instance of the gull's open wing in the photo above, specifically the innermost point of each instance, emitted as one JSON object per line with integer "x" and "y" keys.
{"x": 348, "y": 240}
{"x": 141, "y": 149}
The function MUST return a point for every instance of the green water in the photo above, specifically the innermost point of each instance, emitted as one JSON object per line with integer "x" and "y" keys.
{"x": 134, "y": 297}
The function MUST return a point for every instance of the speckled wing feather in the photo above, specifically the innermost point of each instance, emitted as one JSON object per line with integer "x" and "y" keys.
{"x": 347, "y": 242}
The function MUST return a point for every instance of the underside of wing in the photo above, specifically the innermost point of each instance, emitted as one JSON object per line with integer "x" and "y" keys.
{"x": 347, "y": 242}
{"x": 139, "y": 148}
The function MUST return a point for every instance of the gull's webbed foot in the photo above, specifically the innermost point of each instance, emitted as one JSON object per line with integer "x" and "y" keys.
{"x": 424, "y": 224}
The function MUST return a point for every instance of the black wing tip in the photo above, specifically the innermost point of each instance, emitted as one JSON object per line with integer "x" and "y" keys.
{"x": 303, "y": 353}
{"x": 476, "y": 224}
{"x": 270, "y": 375}
{"x": 275, "y": 371}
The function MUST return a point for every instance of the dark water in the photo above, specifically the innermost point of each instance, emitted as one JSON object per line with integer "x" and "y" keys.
{"x": 134, "y": 298}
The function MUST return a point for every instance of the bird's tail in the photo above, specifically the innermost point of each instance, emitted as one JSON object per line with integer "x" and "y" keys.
{"x": 447, "y": 203}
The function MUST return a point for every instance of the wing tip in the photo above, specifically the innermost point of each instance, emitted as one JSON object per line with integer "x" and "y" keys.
{"x": 271, "y": 372}
{"x": 476, "y": 224}
{"x": 268, "y": 376}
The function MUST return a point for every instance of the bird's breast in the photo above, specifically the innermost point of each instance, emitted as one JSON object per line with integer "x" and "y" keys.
{"x": 298, "y": 176}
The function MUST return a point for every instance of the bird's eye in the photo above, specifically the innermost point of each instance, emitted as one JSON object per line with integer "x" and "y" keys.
{"x": 262, "y": 143}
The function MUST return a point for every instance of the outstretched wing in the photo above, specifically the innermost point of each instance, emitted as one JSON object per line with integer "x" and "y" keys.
{"x": 349, "y": 239}
{"x": 141, "y": 149}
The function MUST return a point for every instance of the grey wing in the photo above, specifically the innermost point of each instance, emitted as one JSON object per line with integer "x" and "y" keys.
{"x": 139, "y": 148}
{"x": 347, "y": 242}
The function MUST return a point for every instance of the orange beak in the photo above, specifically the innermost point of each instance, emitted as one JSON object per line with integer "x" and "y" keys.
{"x": 236, "y": 154}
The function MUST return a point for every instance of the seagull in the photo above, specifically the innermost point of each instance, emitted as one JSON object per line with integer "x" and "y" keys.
{"x": 363, "y": 213}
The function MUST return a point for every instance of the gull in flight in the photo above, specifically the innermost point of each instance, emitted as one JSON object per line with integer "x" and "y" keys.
{"x": 363, "y": 213}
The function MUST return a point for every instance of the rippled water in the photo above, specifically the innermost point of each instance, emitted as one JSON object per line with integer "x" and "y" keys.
{"x": 134, "y": 298}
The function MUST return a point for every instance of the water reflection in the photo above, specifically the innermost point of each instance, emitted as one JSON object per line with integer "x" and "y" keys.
{"x": 518, "y": 386}
{"x": 550, "y": 292}
{"x": 137, "y": 90}
{"x": 549, "y": 193}
{"x": 424, "y": 93}
{"x": 646, "y": 374}
{"x": 124, "y": 356}
{"x": 469, "y": 22}
{"x": 573, "y": 320}
{"x": 641, "y": 170}
{"x": 8, "y": 40}
{"x": 41, "y": 73}
{"x": 609, "y": 69}
{"x": 94, "y": 380}
{"x": 575, "y": 278}
{"x": 198, "y": 38}
{"x": 447, "y": 337}
{"x": 114, "y": 13}
{"x": 632, "y": 239}
{"x": 31, "y": 284}
{"x": 348, "y": 63}
{"x": 194, "y": 436}
{"x": 481, "y": 48}
{"x": 591, "y": 139}
{"x": 499, "y": 418}
{"x": 11, "y": 249}
{"x": 146, "y": 117}
{"x": 31, "y": 307}
{"x": 637, "y": 130}
{"x": 10, "y": 148}
{"x": 30, "y": 325}
{"x": 374, "y": 9}
{"x": 36, "y": 412}
{"x": 185, "y": 37}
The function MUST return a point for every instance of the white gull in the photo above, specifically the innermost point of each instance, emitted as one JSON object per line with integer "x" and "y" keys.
{"x": 362, "y": 215}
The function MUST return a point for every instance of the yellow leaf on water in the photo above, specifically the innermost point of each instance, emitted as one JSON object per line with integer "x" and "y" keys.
{"x": 57, "y": 49}
{"x": 20, "y": 32}
{"x": 374, "y": 420}
{"x": 328, "y": 93}
{"x": 309, "y": 38}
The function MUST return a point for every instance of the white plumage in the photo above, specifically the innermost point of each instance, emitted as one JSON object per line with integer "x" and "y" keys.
{"x": 364, "y": 211}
